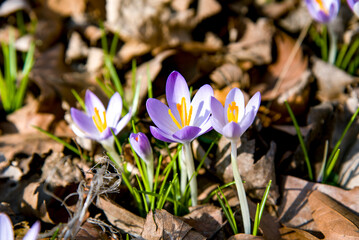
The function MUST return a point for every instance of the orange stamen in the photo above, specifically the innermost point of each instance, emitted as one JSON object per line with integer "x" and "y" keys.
{"x": 322, "y": 7}
{"x": 232, "y": 112}
{"x": 184, "y": 116}
{"x": 101, "y": 126}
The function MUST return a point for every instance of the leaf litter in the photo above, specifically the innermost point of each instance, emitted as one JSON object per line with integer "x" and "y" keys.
{"x": 219, "y": 43}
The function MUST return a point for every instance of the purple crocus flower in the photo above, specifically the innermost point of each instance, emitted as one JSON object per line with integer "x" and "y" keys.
{"x": 97, "y": 122}
{"x": 234, "y": 119}
{"x": 354, "y": 5}
{"x": 141, "y": 145}
{"x": 323, "y": 10}
{"x": 184, "y": 120}
{"x": 7, "y": 233}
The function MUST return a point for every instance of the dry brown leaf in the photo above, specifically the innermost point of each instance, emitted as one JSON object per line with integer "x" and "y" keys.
{"x": 256, "y": 175}
{"x": 294, "y": 210}
{"x": 331, "y": 80}
{"x": 227, "y": 74}
{"x": 91, "y": 231}
{"x": 27, "y": 144}
{"x": 205, "y": 219}
{"x": 333, "y": 219}
{"x": 255, "y": 45}
{"x": 295, "y": 233}
{"x": 293, "y": 71}
{"x": 275, "y": 10}
{"x": 163, "y": 225}
{"x": 67, "y": 8}
{"x": 132, "y": 49}
{"x": 28, "y": 116}
{"x": 207, "y": 8}
{"x": 121, "y": 218}
{"x": 48, "y": 28}
{"x": 77, "y": 48}
{"x": 151, "y": 69}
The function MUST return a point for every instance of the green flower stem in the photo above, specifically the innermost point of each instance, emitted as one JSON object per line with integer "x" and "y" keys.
{"x": 190, "y": 171}
{"x": 240, "y": 189}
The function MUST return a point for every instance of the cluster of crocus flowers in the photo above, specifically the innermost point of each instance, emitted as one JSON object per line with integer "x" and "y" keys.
{"x": 182, "y": 121}
{"x": 323, "y": 11}
{"x": 232, "y": 121}
{"x": 98, "y": 123}
{"x": 141, "y": 145}
{"x": 7, "y": 233}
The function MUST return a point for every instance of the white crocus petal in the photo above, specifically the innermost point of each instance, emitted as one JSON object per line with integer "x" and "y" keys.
{"x": 235, "y": 95}
{"x": 33, "y": 232}
{"x": 92, "y": 102}
{"x": 176, "y": 89}
{"x": 201, "y": 105}
{"x": 356, "y": 9}
{"x": 6, "y": 232}
{"x": 114, "y": 110}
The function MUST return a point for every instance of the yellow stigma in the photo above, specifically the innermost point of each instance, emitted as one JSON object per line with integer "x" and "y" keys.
{"x": 232, "y": 112}
{"x": 101, "y": 126}
{"x": 322, "y": 7}
{"x": 182, "y": 110}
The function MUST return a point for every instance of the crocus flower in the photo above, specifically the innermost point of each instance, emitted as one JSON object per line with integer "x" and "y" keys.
{"x": 323, "y": 10}
{"x": 354, "y": 5}
{"x": 234, "y": 119}
{"x": 7, "y": 233}
{"x": 184, "y": 120}
{"x": 142, "y": 147}
{"x": 97, "y": 122}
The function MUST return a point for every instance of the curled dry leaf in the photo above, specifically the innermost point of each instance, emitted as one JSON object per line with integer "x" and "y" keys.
{"x": 294, "y": 210}
{"x": 333, "y": 219}
{"x": 67, "y": 8}
{"x": 295, "y": 233}
{"x": 331, "y": 80}
{"x": 255, "y": 45}
{"x": 205, "y": 219}
{"x": 227, "y": 74}
{"x": 162, "y": 225}
{"x": 121, "y": 218}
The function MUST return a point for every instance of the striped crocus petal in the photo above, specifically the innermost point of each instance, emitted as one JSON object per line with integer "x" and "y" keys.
{"x": 234, "y": 118}
{"x": 182, "y": 120}
{"x": 98, "y": 122}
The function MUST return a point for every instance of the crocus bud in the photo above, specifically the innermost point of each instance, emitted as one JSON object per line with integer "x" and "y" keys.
{"x": 142, "y": 147}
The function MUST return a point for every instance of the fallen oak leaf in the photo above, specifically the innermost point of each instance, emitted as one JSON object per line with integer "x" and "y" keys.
{"x": 289, "y": 233}
{"x": 332, "y": 218}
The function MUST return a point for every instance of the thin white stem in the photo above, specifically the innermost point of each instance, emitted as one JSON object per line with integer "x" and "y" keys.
{"x": 333, "y": 38}
{"x": 240, "y": 189}
{"x": 183, "y": 171}
{"x": 190, "y": 171}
